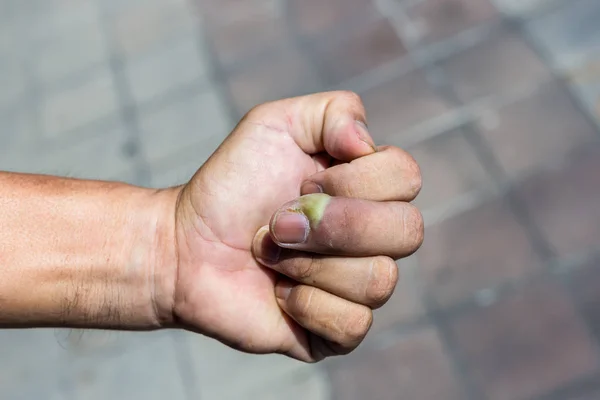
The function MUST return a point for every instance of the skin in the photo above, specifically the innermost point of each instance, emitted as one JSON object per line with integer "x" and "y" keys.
{"x": 283, "y": 242}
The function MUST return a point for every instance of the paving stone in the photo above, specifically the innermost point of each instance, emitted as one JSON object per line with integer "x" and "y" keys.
{"x": 585, "y": 82}
{"x": 473, "y": 252}
{"x": 437, "y": 20}
{"x": 368, "y": 45}
{"x": 538, "y": 131}
{"x": 19, "y": 9}
{"x": 43, "y": 24}
{"x": 500, "y": 64}
{"x": 565, "y": 202}
{"x": 138, "y": 27}
{"x": 5, "y": 11}
{"x": 585, "y": 283}
{"x": 31, "y": 362}
{"x": 181, "y": 167}
{"x": 146, "y": 368}
{"x": 569, "y": 34}
{"x": 99, "y": 155}
{"x": 526, "y": 345}
{"x": 415, "y": 367}
{"x": 102, "y": 156}
{"x": 58, "y": 15}
{"x": 250, "y": 34}
{"x": 186, "y": 123}
{"x": 78, "y": 104}
{"x": 172, "y": 66}
{"x": 62, "y": 38}
{"x": 223, "y": 373}
{"x": 311, "y": 384}
{"x": 405, "y": 306}
{"x": 7, "y": 28}
{"x": 585, "y": 391}
{"x": 591, "y": 394}
{"x": 71, "y": 49}
{"x": 396, "y": 106}
{"x": 314, "y": 17}
{"x": 450, "y": 170}
{"x": 282, "y": 74}
{"x": 232, "y": 10}
{"x": 18, "y": 136}
{"x": 79, "y": 345}
{"x": 525, "y": 8}
{"x": 179, "y": 173}
{"x": 14, "y": 79}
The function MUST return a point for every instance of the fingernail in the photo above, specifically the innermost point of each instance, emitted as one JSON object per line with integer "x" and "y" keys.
{"x": 265, "y": 249}
{"x": 283, "y": 290}
{"x": 363, "y": 134}
{"x": 291, "y": 227}
{"x": 311, "y": 188}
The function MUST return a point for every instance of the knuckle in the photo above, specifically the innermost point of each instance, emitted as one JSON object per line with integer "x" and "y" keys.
{"x": 420, "y": 230}
{"x": 410, "y": 170}
{"x": 414, "y": 228}
{"x": 415, "y": 176}
{"x": 382, "y": 283}
{"x": 301, "y": 300}
{"x": 305, "y": 268}
{"x": 358, "y": 325}
{"x": 351, "y": 96}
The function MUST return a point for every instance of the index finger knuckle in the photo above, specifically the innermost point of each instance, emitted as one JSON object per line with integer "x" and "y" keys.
{"x": 411, "y": 170}
{"x": 415, "y": 176}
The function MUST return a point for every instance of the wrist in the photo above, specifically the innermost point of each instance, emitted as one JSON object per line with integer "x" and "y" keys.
{"x": 132, "y": 287}
{"x": 162, "y": 256}
{"x": 149, "y": 256}
{"x": 139, "y": 275}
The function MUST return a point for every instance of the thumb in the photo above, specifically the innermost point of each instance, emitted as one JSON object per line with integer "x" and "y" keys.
{"x": 332, "y": 122}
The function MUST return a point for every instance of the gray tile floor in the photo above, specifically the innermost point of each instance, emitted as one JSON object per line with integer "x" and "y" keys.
{"x": 132, "y": 90}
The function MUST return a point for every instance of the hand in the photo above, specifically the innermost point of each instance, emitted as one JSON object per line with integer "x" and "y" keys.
{"x": 266, "y": 271}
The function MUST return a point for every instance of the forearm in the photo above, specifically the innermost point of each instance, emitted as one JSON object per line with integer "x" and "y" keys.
{"x": 84, "y": 253}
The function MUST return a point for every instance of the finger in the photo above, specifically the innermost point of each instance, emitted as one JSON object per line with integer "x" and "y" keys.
{"x": 343, "y": 323}
{"x": 369, "y": 281}
{"x": 318, "y": 223}
{"x": 388, "y": 175}
{"x": 332, "y": 122}
{"x": 322, "y": 161}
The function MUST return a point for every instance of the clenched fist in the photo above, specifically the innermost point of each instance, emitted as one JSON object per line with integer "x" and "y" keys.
{"x": 285, "y": 239}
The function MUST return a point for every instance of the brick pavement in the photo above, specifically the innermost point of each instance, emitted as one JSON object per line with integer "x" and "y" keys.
{"x": 499, "y": 101}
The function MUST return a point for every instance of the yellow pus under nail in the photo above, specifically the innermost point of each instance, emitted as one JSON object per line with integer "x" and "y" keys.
{"x": 313, "y": 206}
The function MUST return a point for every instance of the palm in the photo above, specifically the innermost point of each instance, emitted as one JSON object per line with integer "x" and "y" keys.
{"x": 249, "y": 179}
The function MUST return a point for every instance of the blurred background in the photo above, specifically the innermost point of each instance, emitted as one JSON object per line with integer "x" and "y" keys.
{"x": 499, "y": 101}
